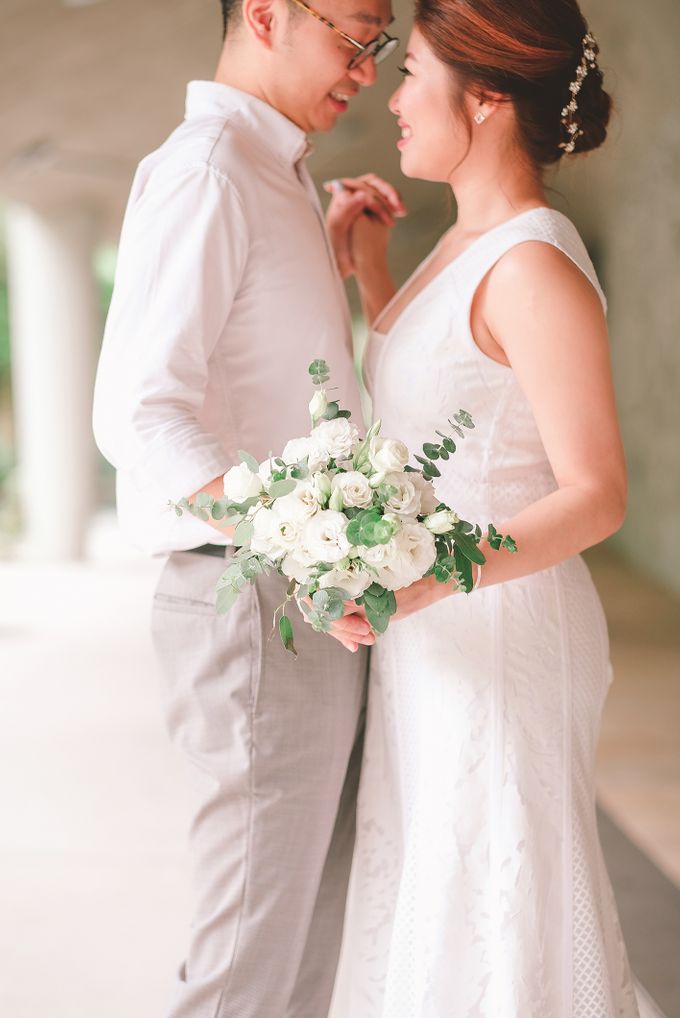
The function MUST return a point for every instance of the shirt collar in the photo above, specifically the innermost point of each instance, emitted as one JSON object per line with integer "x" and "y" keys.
{"x": 272, "y": 129}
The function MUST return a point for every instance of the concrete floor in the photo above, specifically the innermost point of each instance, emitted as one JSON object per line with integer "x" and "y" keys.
{"x": 94, "y": 875}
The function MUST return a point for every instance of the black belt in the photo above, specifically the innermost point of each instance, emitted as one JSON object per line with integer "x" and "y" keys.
{"x": 208, "y": 549}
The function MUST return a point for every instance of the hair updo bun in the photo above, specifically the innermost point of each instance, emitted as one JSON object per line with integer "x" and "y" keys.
{"x": 528, "y": 51}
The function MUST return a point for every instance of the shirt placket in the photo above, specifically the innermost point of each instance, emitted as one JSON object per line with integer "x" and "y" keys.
{"x": 305, "y": 179}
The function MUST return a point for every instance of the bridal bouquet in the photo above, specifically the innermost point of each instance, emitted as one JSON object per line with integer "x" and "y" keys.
{"x": 343, "y": 518}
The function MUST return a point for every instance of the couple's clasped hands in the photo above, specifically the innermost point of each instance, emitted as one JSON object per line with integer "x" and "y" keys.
{"x": 360, "y": 216}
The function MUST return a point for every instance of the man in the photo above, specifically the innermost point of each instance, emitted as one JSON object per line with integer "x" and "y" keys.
{"x": 226, "y": 289}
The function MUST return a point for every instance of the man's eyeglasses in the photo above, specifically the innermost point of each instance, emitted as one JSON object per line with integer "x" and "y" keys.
{"x": 376, "y": 50}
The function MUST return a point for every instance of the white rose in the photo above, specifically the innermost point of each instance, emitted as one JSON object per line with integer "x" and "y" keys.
{"x": 321, "y": 484}
{"x": 318, "y": 405}
{"x": 355, "y": 489}
{"x": 406, "y": 499}
{"x": 387, "y": 455}
{"x": 442, "y": 522}
{"x": 410, "y": 554}
{"x": 296, "y": 450}
{"x": 324, "y": 538}
{"x": 353, "y": 581}
{"x": 336, "y": 439}
{"x": 241, "y": 484}
{"x": 428, "y": 497}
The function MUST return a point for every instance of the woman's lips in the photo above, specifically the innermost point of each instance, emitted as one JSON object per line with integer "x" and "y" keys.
{"x": 405, "y": 135}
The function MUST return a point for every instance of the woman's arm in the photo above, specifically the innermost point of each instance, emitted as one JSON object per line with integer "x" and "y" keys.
{"x": 547, "y": 321}
{"x": 360, "y": 218}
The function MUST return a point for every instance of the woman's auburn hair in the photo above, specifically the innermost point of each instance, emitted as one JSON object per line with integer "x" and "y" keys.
{"x": 526, "y": 51}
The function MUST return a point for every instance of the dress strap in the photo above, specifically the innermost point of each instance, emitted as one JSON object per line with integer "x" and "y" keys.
{"x": 542, "y": 224}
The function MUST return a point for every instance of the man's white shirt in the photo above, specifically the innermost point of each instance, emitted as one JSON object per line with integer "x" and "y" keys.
{"x": 226, "y": 288}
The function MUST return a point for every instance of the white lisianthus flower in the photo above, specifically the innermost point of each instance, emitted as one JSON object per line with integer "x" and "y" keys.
{"x": 406, "y": 499}
{"x": 266, "y": 539}
{"x": 324, "y": 536}
{"x": 296, "y": 450}
{"x": 441, "y": 523}
{"x": 299, "y": 506}
{"x": 355, "y": 489}
{"x": 428, "y": 497}
{"x": 387, "y": 455}
{"x": 353, "y": 581}
{"x": 296, "y": 568}
{"x": 380, "y": 555}
{"x": 408, "y": 556}
{"x": 336, "y": 439}
{"x": 318, "y": 404}
{"x": 240, "y": 483}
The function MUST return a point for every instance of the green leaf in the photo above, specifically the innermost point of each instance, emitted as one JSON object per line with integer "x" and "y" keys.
{"x": 319, "y": 371}
{"x": 331, "y": 411}
{"x": 243, "y": 532}
{"x": 219, "y": 508}
{"x": 249, "y": 461}
{"x": 353, "y": 532}
{"x": 226, "y": 598}
{"x": 464, "y": 419}
{"x": 280, "y": 488}
{"x": 468, "y": 548}
{"x": 449, "y": 444}
{"x": 464, "y": 569}
{"x": 344, "y": 413}
{"x": 378, "y": 620}
{"x": 444, "y": 568}
{"x": 203, "y": 500}
{"x": 493, "y": 537}
{"x": 509, "y": 544}
{"x": 443, "y": 453}
{"x": 286, "y": 634}
{"x": 431, "y": 450}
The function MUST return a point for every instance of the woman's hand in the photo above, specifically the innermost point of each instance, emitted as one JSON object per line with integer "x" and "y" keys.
{"x": 368, "y": 198}
{"x": 352, "y": 630}
{"x": 419, "y": 595}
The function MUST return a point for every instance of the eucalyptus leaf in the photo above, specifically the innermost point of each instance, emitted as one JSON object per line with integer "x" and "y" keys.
{"x": 280, "y": 488}
{"x": 226, "y": 599}
{"x": 243, "y": 532}
{"x": 249, "y": 461}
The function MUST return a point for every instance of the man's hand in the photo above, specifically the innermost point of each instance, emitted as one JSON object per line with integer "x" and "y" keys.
{"x": 368, "y": 195}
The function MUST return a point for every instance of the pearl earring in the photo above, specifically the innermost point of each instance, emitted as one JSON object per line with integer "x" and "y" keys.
{"x": 479, "y": 117}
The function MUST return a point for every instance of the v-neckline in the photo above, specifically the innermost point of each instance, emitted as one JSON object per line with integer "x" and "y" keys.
{"x": 453, "y": 261}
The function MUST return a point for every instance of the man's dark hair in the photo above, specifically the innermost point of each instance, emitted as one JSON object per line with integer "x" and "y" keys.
{"x": 230, "y": 12}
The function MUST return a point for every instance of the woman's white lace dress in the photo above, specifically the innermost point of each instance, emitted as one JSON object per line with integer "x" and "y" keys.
{"x": 478, "y": 888}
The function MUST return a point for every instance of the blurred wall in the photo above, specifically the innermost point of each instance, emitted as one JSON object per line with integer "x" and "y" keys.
{"x": 626, "y": 201}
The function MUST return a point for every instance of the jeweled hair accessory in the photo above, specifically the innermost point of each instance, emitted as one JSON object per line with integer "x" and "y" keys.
{"x": 569, "y": 119}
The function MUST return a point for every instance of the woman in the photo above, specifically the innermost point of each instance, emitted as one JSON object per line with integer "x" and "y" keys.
{"x": 479, "y": 889}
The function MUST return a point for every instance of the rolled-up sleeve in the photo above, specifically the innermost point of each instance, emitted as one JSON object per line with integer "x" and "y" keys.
{"x": 182, "y": 255}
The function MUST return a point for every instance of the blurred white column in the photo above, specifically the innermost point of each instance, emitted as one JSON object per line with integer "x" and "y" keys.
{"x": 54, "y": 322}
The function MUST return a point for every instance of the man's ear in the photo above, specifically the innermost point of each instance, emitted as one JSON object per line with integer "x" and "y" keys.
{"x": 258, "y": 19}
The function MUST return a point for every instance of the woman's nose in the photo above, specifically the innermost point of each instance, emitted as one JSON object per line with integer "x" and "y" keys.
{"x": 393, "y": 102}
